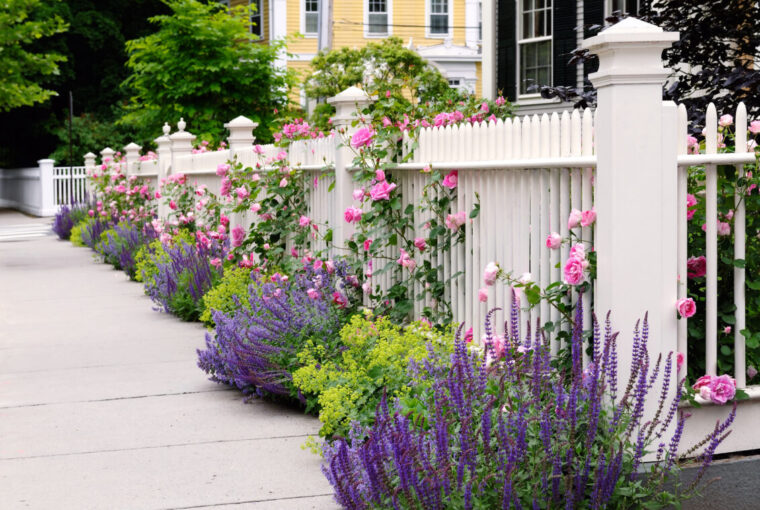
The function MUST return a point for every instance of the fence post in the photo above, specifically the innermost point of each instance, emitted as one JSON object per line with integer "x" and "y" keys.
{"x": 635, "y": 188}
{"x": 182, "y": 143}
{"x": 164, "y": 153}
{"x": 106, "y": 155}
{"x": 47, "y": 197}
{"x": 348, "y": 104}
{"x": 89, "y": 166}
{"x": 241, "y": 138}
{"x": 131, "y": 156}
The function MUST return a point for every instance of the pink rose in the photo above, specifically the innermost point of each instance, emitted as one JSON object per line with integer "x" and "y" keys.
{"x": 258, "y": 149}
{"x": 362, "y": 137}
{"x": 703, "y": 381}
{"x": 420, "y": 243}
{"x": 367, "y": 287}
{"x": 313, "y": 293}
{"x": 226, "y": 187}
{"x": 578, "y": 251}
{"x": 382, "y": 190}
{"x": 172, "y": 205}
{"x": 304, "y": 221}
{"x": 242, "y": 193}
{"x": 451, "y": 180}
{"x": 490, "y": 273}
{"x": 754, "y": 127}
{"x": 224, "y": 220}
{"x": 574, "y": 271}
{"x": 588, "y": 217}
{"x": 352, "y": 214}
{"x": 406, "y": 261}
{"x": 553, "y": 241}
{"x": 696, "y": 267}
{"x": 379, "y": 175}
{"x": 691, "y": 201}
{"x": 339, "y": 300}
{"x": 222, "y": 169}
{"x": 283, "y": 182}
{"x": 91, "y": 213}
{"x": 367, "y": 244}
{"x": 266, "y": 246}
{"x": 724, "y": 229}
{"x": 256, "y": 207}
{"x": 483, "y": 294}
{"x": 216, "y": 262}
{"x": 727, "y": 330}
{"x": 238, "y": 234}
{"x": 686, "y": 307}
{"x": 484, "y": 107}
{"x": 723, "y": 389}
{"x": 680, "y": 359}
{"x": 358, "y": 194}
{"x": 454, "y": 221}
{"x": 158, "y": 195}
{"x": 692, "y": 145}
{"x": 468, "y": 336}
{"x": 574, "y": 219}
{"x": 726, "y": 120}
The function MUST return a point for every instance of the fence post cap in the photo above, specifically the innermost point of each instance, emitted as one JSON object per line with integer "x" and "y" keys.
{"x": 166, "y": 129}
{"x": 132, "y": 146}
{"x": 241, "y": 122}
{"x": 89, "y": 155}
{"x": 631, "y": 30}
{"x": 351, "y": 95}
{"x": 46, "y": 161}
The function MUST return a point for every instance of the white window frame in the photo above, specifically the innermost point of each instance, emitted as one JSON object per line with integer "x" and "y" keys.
{"x": 480, "y": 21}
{"x": 389, "y": 13}
{"x": 520, "y": 42}
{"x": 428, "y": 25}
{"x": 308, "y": 35}
{"x": 260, "y": 15}
{"x": 608, "y": 9}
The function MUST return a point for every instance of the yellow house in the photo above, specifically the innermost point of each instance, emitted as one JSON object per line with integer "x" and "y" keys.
{"x": 445, "y": 32}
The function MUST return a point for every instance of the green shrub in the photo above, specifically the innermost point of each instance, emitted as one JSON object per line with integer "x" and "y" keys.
{"x": 228, "y": 295}
{"x": 76, "y": 234}
{"x": 150, "y": 254}
{"x": 374, "y": 360}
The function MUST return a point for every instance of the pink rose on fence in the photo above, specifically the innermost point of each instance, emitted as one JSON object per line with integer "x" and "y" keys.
{"x": 226, "y": 187}
{"x": 238, "y": 234}
{"x": 304, "y": 221}
{"x": 692, "y": 145}
{"x": 691, "y": 201}
{"x": 172, "y": 205}
{"x": 406, "y": 261}
{"x": 242, "y": 193}
{"x": 454, "y": 221}
{"x": 723, "y": 389}
{"x": 574, "y": 220}
{"x": 573, "y": 271}
{"x": 490, "y": 273}
{"x": 362, "y": 137}
{"x": 382, "y": 190}
{"x": 726, "y": 120}
{"x": 420, "y": 243}
{"x": 686, "y": 307}
{"x": 588, "y": 217}
{"x": 727, "y": 330}
{"x": 680, "y": 359}
{"x": 451, "y": 180}
{"x": 387, "y": 122}
{"x": 313, "y": 293}
{"x": 483, "y": 294}
{"x": 224, "y": 220}
{"x": 339, "y": 300}
{"x": 358, "y": 194}
{"x": 754, "y": 127}
{"x": 553, "y": 241}
{"x": 724, "y": 229}
{"x": 258, "y": 149}
{"x": 352, "y": 214}
{"x": 256, "y": 207}
{"x": 500, "y": 101}
{"x": 379, "y": 175}
{"x": 283, "y": 182}
{"x": 367, "y": 244}
{"x": 696, "y": 266}
{"x": 222, "y": 169}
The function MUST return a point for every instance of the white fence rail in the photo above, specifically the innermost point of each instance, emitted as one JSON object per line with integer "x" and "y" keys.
{"x": 69, "y": 185}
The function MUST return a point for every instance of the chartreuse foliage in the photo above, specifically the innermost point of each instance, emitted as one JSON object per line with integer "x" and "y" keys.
{"x": 228, "y": 295}
{"x": 22, "y": 22}
{"x": 373, "y": 360}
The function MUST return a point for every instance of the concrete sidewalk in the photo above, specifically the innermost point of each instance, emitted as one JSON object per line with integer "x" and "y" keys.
{"x": 102, "y": 405}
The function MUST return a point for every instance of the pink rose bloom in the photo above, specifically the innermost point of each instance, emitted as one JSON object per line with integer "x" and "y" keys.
{"x": 725, "y": 120}
{"x": 387, "y": 94}
{"x": 221, "y": 229}
{"x": 358, "y": 194}
{"x": 553, "y": 241}
{"x": 490, "y": 273}
{"x": 318, "y": 264}
{"x": 680, "y": 359}
{"x": 406, "y": 261}
{"x": 313, "y": 293}
{"x": 242, "y": 193}
{"x": 387, "y": 122}
{"x": 692, "y": 145}
{"x": 222, "y": 169}
{"x": 367, "y": 287}
{"x": 691, "y": 201}
{"x": 226, "y": 187}
{"x": 256, "y": 207}
{"x": 703, "y": 381}
{"x": 258, "y": 149}
{"x": 686, "y": 307}
{"x": 751, "y": 372}
{"x": 266, "y": 246}
{"x": 158, "y": 195}
{"x": 724, "y": 229}
{"x": 578, "y": 251}
{"x": 91, "y": 213}
{"x": 352, "y": 215}
{"x": 283, "y": 182}
{"x": 468, "y": 336}
{"x": 304, "y": 221}
{"x": 224, "y": 220}
{"x": 339, "y": 300}
{"x": 451, "y": 180}
{"x": 454, "y": 221}
{"x": 172, "y": 205}
{"x": 330, "y": 266}
{"x": 500, "y": 101}
{"x": 588, "y": 217}
{"x": 484, "y": 107}
{"x": 420, "y": 243}
{"x": 754, "y": 127}
{"x": 727, "y": 330}
{"x": 483, "y": 294}
{"x": 216, "y": 262}
{"x": 367, "y": 244}
{"x": 362, "y": 138}
{"x": 696, "y": 266}
{"x": 379, "y": 175}
{"x": 574, "y": 271}
{"x": 381, "y": 190}
{"x": 723, "y": 389}
{"x": 574, "y": 219}
{"x": 238, "y": 234}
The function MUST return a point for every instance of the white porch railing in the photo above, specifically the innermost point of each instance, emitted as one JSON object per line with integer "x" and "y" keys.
{"x": 69, "y": 185}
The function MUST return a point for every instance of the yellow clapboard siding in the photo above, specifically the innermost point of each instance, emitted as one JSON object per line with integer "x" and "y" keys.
{"x": 264, "y": 17}
{"x": 298, "y": 45}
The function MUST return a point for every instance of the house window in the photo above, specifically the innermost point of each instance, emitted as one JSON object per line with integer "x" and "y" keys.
{"x": 455, "y": 83}
{"x": 625, "y": 6}
{"x": 311, "y": 17}
{"x": 535, "y": 44}
{"x": 256, "y": 18}
{"x": 480, "y": 21}
{"x": 377, "y": 17}
{"x": 439, "y": 17}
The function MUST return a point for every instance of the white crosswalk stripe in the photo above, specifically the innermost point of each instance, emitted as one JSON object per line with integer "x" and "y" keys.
{"x": 24, "y": 232}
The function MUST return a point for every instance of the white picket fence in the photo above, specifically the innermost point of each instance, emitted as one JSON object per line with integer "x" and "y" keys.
{"x": 628, "y": 160}
{"x": 69, "y": 185}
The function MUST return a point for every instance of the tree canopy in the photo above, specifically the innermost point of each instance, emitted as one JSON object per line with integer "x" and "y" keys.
{"x": 22, "y": 22}
{"x": 202, "y": 64}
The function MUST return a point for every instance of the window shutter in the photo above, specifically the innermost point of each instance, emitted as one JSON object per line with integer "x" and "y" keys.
{"x": 593, "y": 14}
{"x": 565, "y": 21}
{"x": 506, "y": 49}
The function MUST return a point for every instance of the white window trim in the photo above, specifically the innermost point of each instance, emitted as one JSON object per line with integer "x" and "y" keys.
{"x": 260, "y": 13}
{"x": 389, "y": 10}
{"x": 608, "y": 8}
{"x": 312, "y": 35}
{"x": 518, "y": 31}
{"x": 450, "y": 31}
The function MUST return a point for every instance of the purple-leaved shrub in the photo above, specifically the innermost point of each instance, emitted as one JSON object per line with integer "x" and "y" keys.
{"x": 255, "y": 348}
{"x": 507, "y": 430}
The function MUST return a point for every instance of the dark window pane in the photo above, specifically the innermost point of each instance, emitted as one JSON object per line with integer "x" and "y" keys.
{"x": 312, "y": 22}
{"x": 439, "y": 24}
{"x": 378, "y": 23}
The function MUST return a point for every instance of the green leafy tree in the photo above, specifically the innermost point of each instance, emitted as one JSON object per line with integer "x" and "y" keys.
{"x": 203, "y": 65}
{"x": 22, "y": 22}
